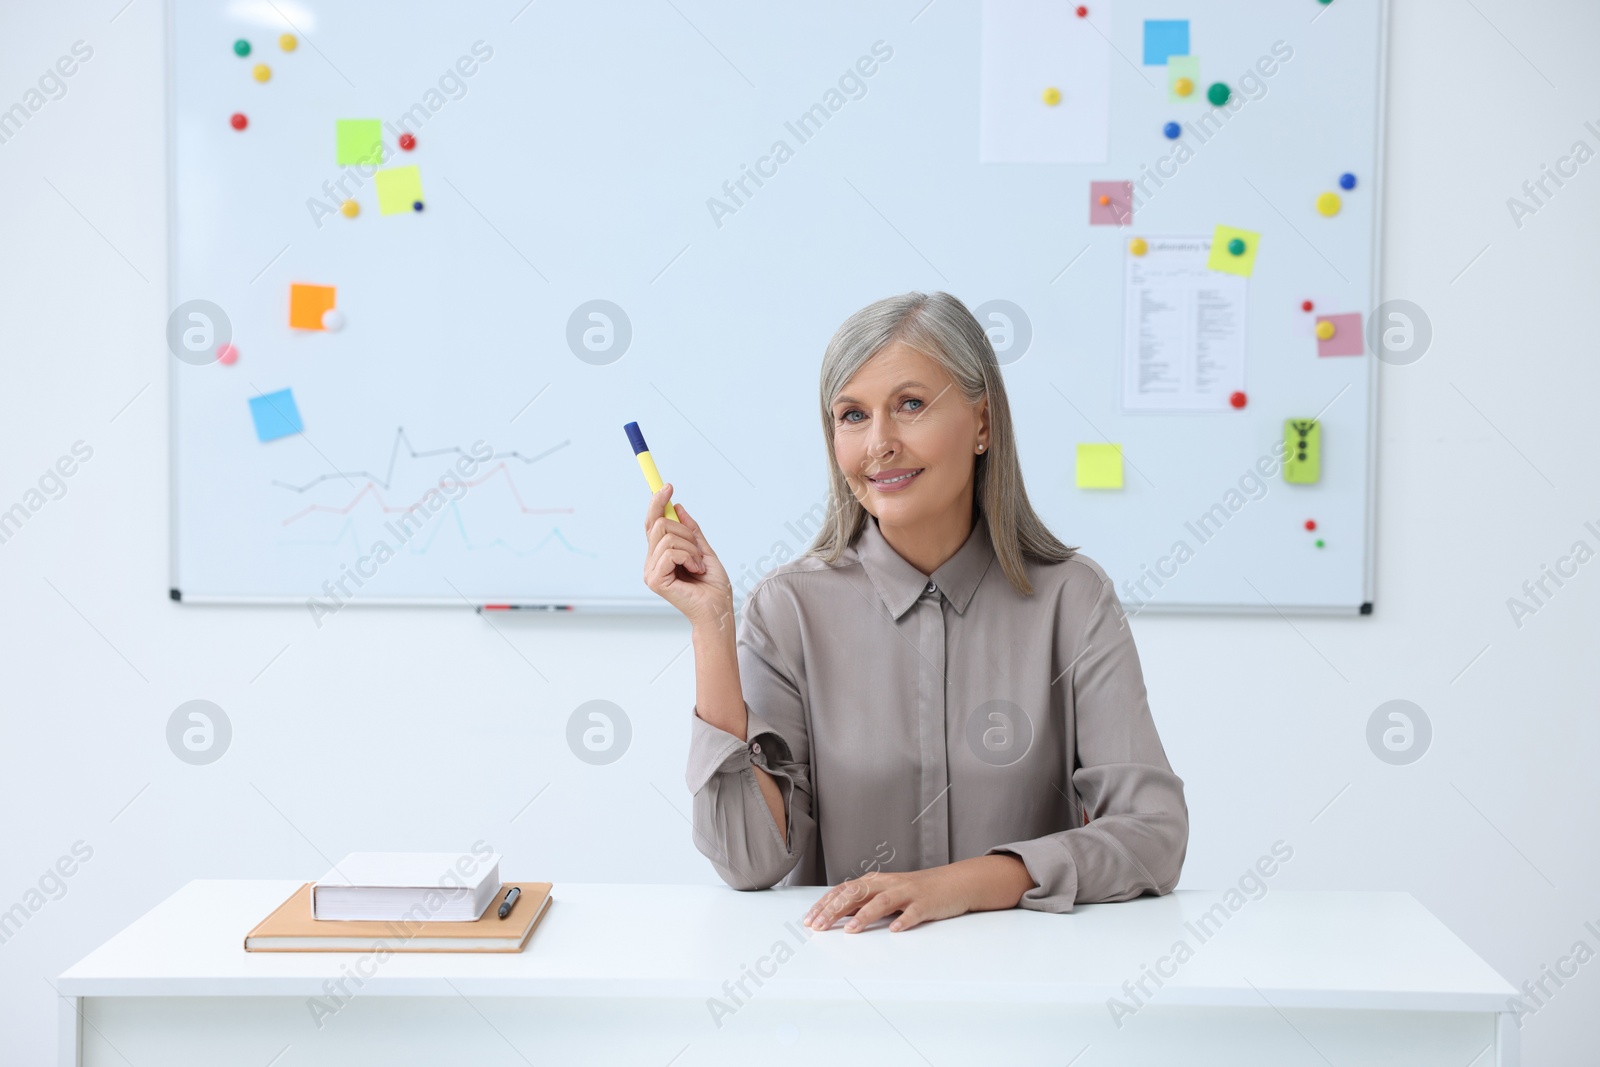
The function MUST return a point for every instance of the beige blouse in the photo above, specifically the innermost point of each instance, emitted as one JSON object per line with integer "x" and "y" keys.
{"x": 911, "y": 723}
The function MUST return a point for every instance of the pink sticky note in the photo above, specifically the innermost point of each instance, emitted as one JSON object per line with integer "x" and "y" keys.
{"x": 1118, "y": 208}
{"x": 1346, "y": 339}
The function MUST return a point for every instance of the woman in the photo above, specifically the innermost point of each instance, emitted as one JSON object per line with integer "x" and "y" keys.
{"x": 938, "y": 708}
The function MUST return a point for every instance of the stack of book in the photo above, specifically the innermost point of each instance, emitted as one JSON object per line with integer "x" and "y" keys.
{"x": 406, "y": 902}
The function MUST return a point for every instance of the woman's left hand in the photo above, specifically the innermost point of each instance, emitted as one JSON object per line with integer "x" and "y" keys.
{"x": 986, "y": 883}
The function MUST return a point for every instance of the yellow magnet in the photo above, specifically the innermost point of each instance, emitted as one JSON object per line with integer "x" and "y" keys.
{"x": 1138, "y": 246}
{"x": 1324, "y": 330}
{"x": 288, "y": 43}
{"x": 1183, "y": 86}
{"x": 261, "y": 72}
{"x": 349, "y": 209}
{"x": 1052, "y": 96}
{"x": 1328, "y": 204}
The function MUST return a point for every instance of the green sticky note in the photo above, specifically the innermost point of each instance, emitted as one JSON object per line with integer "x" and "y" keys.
{"x": 360, "y": 141}
{"x": 399, "y": 189}
{"x": 1099, "y": 466}
{"x": 1224, "y": 260}
{"x": 1184, "y": 67}
{"x": 1302, "y": 440}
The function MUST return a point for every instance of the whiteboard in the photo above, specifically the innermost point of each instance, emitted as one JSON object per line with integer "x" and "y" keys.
{"x": 571, "y": 154}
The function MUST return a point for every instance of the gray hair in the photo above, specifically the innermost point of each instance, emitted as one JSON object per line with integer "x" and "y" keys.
{"x": 941, "y": 328}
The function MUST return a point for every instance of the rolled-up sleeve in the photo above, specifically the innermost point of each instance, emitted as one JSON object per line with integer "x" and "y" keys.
{"x": 1137, "y": 832}
{"x": 733, "y": 824}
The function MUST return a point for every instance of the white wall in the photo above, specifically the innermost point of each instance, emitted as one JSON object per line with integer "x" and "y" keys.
{"x": 414, "y": 729}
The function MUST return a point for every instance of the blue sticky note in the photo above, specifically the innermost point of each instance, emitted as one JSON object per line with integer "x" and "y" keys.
{"x": 1163, "y": 38}
{"x": 275, "y": 415}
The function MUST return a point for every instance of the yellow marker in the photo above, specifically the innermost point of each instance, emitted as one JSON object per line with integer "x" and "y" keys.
{"x": 1183, "y": 86}
{"x": 641, "y": 452}
{"x": 288, "y": 43}
{"x": 1052, "y": 96}
{"x": 1324, "y": 330}
{"x": 1328, "y": 204}
{"x": 350, "y": 209}
{"x": 1138, "y": 246}
{"x": 261, "y": 72}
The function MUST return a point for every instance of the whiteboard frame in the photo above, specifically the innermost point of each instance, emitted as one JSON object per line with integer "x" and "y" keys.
{"x": 656, "y": 606}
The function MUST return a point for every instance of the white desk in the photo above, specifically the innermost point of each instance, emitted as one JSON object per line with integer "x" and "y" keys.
{"x": 624, "y": 974}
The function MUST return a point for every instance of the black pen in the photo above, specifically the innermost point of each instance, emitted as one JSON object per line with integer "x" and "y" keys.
{"x": 511, "y": 898}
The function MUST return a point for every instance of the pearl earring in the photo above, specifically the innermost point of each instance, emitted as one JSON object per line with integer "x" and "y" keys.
{"x": 980, "y": 448}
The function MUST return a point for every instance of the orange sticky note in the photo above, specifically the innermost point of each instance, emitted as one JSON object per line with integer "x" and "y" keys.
{"x": 307, "y": 303}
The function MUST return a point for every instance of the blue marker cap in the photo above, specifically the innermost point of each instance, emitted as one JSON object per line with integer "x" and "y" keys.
{"x": 635, "y": 438}
{"x": 1347, "y": 181}
{"x": 1172, "y": 129}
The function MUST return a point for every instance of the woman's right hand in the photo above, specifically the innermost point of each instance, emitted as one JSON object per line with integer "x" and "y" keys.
{"x": 680, "y": 566}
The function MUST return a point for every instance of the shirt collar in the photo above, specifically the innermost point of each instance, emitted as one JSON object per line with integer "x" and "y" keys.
{"x": 899, "y": 584}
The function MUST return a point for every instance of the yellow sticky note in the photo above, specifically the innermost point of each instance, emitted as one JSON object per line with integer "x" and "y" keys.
{"x": 1224, "y": 256}
{"x": 399, "y": 189}
{"x": 358, "y": 141}
{"x": 307, "y": 303}
{"x": 1099, "y": 466}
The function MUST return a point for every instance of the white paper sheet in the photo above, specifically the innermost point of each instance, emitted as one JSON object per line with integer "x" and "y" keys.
{"x": 1184, "y": 329}
{"x": 1030, "y": 46}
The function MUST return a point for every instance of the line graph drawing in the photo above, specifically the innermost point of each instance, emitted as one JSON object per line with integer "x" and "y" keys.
{"x": 394, "y": 452}
{"x": 376, "y": 487}
{"x": 371, "y": 489}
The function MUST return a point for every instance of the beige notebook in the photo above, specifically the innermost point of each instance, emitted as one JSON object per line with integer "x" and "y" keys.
{"x": 290, "y": 928}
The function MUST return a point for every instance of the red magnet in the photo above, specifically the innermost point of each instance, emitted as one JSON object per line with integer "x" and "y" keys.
{"x": 238, "y": 121}
{"x": 408, "y": 141}
{"x": 1305, "y": 305}
{"x": 1311, "y": 524}
{"x": 1237, "y": 400}
{"x": 1083, "y": 12}
{"x": 227, "y": 355}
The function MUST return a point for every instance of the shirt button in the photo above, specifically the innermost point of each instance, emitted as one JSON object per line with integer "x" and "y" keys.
{"x": 755, "y": 748}
{"x": 932, "y": 588}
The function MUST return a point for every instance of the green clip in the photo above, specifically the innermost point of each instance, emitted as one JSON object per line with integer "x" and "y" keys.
{"x": 1303, "y": 440}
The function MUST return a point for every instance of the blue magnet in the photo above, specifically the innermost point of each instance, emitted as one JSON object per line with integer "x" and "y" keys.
{"x": 1347, "y": 181}
{"x": 1172, "y": 130}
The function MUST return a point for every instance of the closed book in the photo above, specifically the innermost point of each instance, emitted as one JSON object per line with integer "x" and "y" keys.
{"x": 290, "y": 928}
{"x": 414, "y": 886}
